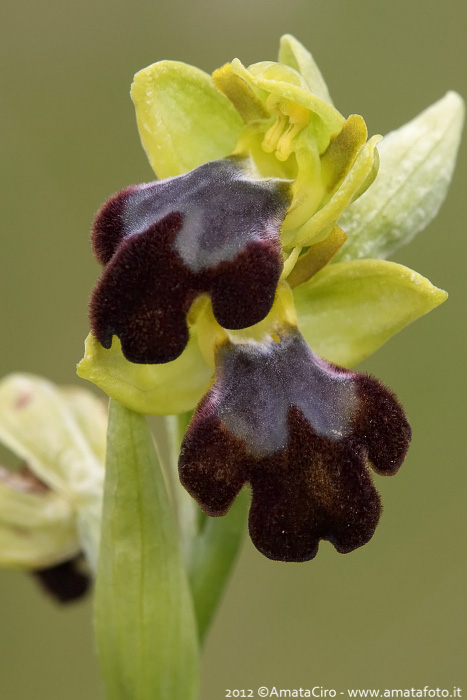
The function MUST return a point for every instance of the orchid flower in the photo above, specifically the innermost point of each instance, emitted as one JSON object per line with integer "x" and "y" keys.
{"x": 50, "y": 508}
{"x": 238, "y": 291}
{"x": 220, "y": 289}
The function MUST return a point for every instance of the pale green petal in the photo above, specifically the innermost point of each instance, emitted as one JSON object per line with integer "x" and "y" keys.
{"x": 316, "y": 257}
{"x": 37, "y": 424}
{"x": 173, "y": 387}
{"x": 340, "y": 156}
{"x": 239, "y": 93}
{"x": 37, "y": 530}
{"x": 272, "y": 78}
{"x": 360, "y": 176}
{"x": 91, "y": 415}
{"x": 416, "y": 165}
{"x": 308, "y": 188}
{"x": 183, "y": 120}
{"x": 40, "y": 548}
{"x": 88, "y": 524}
{"x": 348, "y": 310}
{"x": 295, "y": 55}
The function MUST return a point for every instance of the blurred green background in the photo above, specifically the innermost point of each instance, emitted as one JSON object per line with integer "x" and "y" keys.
{"x": 390, "y": 615}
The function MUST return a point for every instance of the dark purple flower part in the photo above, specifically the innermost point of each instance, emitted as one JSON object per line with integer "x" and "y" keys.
{"x": 65, "y": 582}
{"x": 214, "y": 230}
{"x": 302, "y": 432}
{"x": 68, "y": 580}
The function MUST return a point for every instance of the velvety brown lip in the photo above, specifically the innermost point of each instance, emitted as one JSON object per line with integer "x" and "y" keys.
{"x": 66, "y": 582}
{"x": 314, "y": 483}
{"x": 211, "y": 231}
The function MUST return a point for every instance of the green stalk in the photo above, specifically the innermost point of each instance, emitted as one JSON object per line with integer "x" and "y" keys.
{"x": 213, "y": 555}
{"x": 145, "y": 625}
{"x": 211, "y": 545}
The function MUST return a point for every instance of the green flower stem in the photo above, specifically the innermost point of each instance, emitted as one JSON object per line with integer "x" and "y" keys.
{"x": 189, "y": 515}
{"x": 210, "y": 545}
{"x": 213, "y": 555}
{"x": 145, "y": 625}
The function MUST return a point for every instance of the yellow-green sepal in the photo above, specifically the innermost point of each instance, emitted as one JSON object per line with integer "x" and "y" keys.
{"x": 348, "y": 310}
{"x": 165, "y": 389}
{"x": 292, "y": 53}
{"x": 183, "y": 120}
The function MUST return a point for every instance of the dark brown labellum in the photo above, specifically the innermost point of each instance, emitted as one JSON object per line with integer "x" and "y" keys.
{"x": 301, "y": 432}
{"x": 214, "y": 230}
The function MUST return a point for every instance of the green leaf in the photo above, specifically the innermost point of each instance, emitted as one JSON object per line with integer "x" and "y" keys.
{"x": 416, "y": 166}
{"x": 292, "y": 53}
{"x": 348, "y": 310}
{"x": 183, "y": 120}
{"x": 145, "y": 627}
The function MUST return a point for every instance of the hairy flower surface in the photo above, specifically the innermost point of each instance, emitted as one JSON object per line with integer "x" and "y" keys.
{"x": 217, "y": 282}
{"x": 50, "y": 508}
{"x": 300, "y": 431}
{"x": 165, "y": 243}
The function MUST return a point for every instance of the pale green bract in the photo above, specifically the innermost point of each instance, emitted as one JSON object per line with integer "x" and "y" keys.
{"x": 146, "y": 631}
{"x": 416, "y": 166}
